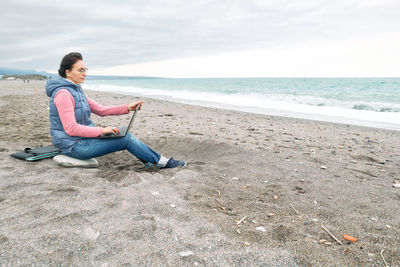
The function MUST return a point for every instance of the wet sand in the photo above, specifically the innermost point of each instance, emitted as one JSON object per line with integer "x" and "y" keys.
{"x": 257, "y": 191}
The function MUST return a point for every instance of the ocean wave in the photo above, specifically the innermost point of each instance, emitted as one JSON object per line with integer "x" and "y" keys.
{"x": 256, "y": 99}
{"x": 315, "y": 106}
{"x": 326, "y": 102}
{"x": 376, "y": 108}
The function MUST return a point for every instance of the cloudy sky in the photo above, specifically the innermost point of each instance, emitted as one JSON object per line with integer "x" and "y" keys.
{"x": 202, "y": 38}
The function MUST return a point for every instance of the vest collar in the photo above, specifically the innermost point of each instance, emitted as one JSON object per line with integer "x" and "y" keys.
{"x": 70, "y": 81}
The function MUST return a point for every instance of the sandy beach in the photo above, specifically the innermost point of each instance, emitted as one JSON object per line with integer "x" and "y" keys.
{"x": 257, "y": 191}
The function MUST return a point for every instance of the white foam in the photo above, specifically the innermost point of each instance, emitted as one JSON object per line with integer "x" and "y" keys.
{"x": 306, "y": 107}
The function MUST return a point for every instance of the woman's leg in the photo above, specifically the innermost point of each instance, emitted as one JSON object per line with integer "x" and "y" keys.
{"x": 94, "y": 147}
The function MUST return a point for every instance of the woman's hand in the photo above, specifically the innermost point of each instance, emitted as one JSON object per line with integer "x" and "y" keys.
{"x": 134, "y": 105}
{"x": 110, "y": 130}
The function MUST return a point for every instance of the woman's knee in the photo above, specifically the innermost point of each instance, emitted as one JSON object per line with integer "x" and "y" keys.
{"x": 131, "y": 138}
{"x": 133, "y": 141}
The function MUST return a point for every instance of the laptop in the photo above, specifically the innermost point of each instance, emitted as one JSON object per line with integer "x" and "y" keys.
{"x": 122, "y": 130}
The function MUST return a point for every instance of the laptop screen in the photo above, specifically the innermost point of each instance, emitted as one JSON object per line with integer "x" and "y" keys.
{"x": 131, "y": 122}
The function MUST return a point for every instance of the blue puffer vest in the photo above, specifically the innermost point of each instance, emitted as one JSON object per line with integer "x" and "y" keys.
{"x": 59, "y": 137}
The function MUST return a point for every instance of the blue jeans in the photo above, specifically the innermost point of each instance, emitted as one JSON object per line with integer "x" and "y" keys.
{"x": 94, "y": 147}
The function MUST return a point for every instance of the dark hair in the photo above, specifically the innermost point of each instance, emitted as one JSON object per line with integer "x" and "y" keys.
{"x": 67, "y": 62}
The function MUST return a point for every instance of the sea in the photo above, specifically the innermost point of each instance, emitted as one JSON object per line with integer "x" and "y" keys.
{"x": 371, "y": 102}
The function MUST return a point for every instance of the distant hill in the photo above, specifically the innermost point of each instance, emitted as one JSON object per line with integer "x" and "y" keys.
{"x": 24, "y": 77}
{"x": 19, "y": 72}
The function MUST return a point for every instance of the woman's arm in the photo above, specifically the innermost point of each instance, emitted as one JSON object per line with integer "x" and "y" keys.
{"x": 65, "y": 105}
{"x": 102, "y": 111}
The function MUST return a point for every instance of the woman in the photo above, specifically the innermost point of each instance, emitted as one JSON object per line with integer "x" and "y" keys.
{"x": 72, "y": 130}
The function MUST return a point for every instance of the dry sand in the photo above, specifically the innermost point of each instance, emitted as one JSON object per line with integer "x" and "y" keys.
{"x": 255, "y": 192}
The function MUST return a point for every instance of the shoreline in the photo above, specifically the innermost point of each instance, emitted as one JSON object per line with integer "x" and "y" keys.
{"x": 279, "y": 114}
{"x": 343, "y": 119}
{"x": 257, "y": 190}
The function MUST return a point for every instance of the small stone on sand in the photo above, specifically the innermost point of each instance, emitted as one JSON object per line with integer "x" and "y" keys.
{"x": 261, "y": 229}
{"x": 185, "y": 253}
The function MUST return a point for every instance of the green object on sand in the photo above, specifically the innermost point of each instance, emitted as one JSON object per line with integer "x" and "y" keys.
{"x": 34, "y": 154}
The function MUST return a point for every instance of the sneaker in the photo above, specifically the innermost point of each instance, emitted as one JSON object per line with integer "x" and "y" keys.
{"x": 174, "y": 163}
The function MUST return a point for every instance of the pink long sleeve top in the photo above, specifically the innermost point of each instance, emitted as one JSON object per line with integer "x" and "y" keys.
{"x": 65, "y": 105}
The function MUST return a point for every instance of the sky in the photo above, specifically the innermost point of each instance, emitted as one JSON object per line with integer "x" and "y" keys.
{"x": 202, "y": 38}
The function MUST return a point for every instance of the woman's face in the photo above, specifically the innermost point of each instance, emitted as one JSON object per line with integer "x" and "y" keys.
{"x": 77, "y": 73}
